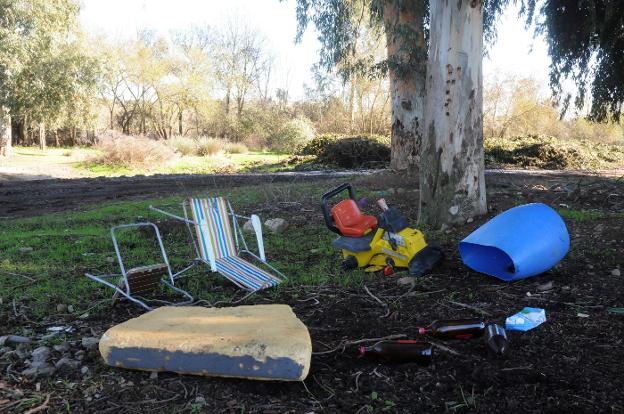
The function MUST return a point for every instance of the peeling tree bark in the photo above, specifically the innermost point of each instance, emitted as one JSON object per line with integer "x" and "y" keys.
{"x": 405, "y": 43}
{"x": 5, "y": 133}
{"x": 42, "y": 136}
{"x": 452, "y": 165}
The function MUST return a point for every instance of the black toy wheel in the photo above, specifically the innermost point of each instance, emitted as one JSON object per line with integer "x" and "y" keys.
{"x": 349, "y": 263}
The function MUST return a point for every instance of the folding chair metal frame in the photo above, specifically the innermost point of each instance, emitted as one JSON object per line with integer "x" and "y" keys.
{"x": 125, "y": 290}
{"x": 239, "y": 239}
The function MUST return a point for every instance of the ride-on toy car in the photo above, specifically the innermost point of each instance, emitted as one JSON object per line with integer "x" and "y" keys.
{"x": 375, "y": 243}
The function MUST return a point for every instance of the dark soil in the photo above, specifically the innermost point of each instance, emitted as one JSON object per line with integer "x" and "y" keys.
{"x": 571, "y": 363}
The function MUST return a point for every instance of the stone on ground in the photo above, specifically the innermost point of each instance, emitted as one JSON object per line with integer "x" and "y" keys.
{"x": 276, "y": 225}
{"x": 266, "y": 342}
{"x": 248, "y": 227}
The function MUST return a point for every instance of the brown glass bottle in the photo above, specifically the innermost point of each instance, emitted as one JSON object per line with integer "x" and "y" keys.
{"x": 455, "y": 329}
{"x": 400, "y": 352}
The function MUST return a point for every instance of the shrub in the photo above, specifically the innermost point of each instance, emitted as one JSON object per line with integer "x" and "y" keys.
{"x": 355, "y": 152}
{"x": 236, "y": 148}
{"x": 132, "y": 152}
{"x": 206, "y": 146}
{"x": 183, "y": 145}
{"x": 292, "y": 134}
{"x": 317, "y": 144}
{"x": 540, "y": 151}
{"x": 255, "y": 141}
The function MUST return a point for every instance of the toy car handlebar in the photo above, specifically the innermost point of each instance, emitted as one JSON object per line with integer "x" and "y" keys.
{"x": 329, "y": 221}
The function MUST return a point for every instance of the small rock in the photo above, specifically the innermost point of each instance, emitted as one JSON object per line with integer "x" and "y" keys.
{"x": 154, "y": 375}
{"x": 67, "y": 363}
{"x": 615, "y": 272}
{"x": 70, "y": 309}
{"x": 84, "y": 370}
{"x": 469, "y": 220}
{"x": 200, "y": 400}
{"x": 248, "y": 227}
{"x": 528, "y": 294}
{"x": 61, "y": 308}
{"x": 545, "y": 286}
{"x": 405, "y": 281}
{"x": 22, "y": 351}
{"x": 582, "y": 315}
{"x": 25, "y": 249}
{"x": 13, "y": 340}
{"x": 41, "y": 354}
{"x": 64, "y": 347}
{"x": 39, "y": 369}
{"x": 276, "y": 225}
{"x": 90, "y": 343}
{"x": 110, "y": 259}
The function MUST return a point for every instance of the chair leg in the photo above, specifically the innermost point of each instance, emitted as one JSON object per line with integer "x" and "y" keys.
{"x": 118, "y": 291}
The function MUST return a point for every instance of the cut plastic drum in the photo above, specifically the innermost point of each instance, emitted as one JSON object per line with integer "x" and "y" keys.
{"x": 521, "y": 242}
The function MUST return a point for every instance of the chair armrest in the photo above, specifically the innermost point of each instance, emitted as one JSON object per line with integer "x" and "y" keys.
{"x": 257, "y": 226}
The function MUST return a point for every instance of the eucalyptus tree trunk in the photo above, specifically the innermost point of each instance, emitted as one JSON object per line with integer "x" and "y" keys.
{"x": 5, "y": 133}
{"x": 452, "y": 166}
{"x": 407, "y": 54}
{"x": 42, "y": 136}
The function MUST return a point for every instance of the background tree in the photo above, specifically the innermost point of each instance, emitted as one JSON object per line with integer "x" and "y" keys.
{"x": 5, "y": 133}
{"x": 403, "y": 23}
{"x": 586, "y": 44}
{"x": 42, "y": 66}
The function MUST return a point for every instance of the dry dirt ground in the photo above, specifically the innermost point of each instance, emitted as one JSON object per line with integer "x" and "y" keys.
{"x": 572, "y": 363}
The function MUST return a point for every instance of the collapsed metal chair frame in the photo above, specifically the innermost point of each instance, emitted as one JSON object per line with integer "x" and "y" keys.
{"x": 125, "y": 289}
{"x": 239, "y": 239}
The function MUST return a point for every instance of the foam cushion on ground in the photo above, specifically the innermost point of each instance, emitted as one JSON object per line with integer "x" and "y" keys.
{"x": 258, "y": 342}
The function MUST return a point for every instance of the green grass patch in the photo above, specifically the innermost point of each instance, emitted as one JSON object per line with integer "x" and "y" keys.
{"x": 66, "y": 245}
{"x": 582, "y": 215}
{"x": 191, "y": 164}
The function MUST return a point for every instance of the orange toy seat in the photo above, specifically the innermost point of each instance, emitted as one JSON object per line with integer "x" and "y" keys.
{"x": 350, "y": 220}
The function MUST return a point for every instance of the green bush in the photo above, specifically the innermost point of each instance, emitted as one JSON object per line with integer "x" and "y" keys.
{"x": 317, "y": 144}
{"x": 292, "y": 134}
{"x": 354, "y": 152}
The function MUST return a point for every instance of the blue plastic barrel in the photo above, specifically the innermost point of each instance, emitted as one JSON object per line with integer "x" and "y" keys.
{"x": 521, "y": 242}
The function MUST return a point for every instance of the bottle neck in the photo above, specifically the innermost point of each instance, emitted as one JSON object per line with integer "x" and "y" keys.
{"x": 364, "y": 349}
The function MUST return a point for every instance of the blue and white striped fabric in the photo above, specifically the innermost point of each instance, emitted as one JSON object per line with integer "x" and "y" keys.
{"x": 243, "y": 272}
{"x": 215, "y": 235}
{"x": 213, "y": 229}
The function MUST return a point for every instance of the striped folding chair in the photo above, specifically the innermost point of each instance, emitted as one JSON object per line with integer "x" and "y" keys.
{"x": 219, "y": 242}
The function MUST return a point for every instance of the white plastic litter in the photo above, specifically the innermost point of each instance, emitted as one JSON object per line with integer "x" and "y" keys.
{"x": 526, "y": 319}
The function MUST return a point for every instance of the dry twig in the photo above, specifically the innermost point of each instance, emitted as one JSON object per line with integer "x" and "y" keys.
{"x": 42, "y": 407}
{"x": 344, "y": 344}
{"x": 385, "y": 305}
